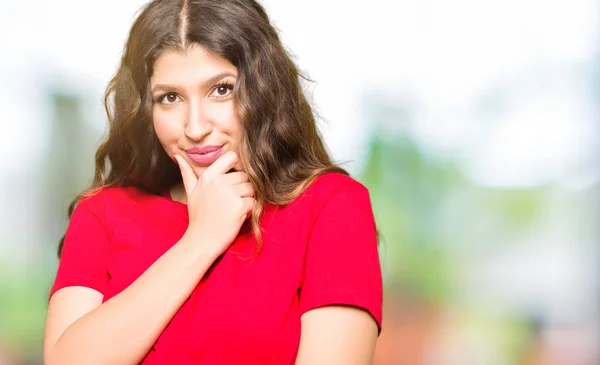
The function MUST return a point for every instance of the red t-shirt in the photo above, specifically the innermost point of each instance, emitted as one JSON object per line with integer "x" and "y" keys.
{"x": 319, "y": 250}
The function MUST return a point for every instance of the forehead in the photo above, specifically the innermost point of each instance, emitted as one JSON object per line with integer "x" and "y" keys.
{"x": 194, "y": 64}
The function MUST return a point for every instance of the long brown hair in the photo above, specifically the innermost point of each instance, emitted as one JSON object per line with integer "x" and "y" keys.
{"x": 282, "y": 150}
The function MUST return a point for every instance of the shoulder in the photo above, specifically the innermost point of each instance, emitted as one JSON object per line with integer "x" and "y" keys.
{"x": 99, "y": 197}
{"x": 117, "y": 208}
{"x": 109, "y": 197}
{"x": 331, "y": 184}
{"x": 336, "y": 192}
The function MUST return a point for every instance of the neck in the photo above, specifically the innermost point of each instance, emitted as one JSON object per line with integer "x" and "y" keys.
{"x": 178, "y": 193}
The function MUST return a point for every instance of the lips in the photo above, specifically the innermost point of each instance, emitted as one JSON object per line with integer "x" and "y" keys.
{"x": 204, "y": 155}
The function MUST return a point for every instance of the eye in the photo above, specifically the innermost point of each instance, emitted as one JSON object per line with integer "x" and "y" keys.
{"x": 168, "y": 98}
{"x": 222, "y": 90}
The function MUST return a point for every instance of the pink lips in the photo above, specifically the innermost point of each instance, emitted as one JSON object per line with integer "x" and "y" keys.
{"x": 204, "y": 155}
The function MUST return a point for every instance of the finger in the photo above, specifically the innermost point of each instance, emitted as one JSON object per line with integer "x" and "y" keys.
{"x": 248, "y": 205}
{"x": 223, "y": 164}
{"x": 187, "y": 174}
{"x": 235, "y": 178}
{"x": 244, "y": 190}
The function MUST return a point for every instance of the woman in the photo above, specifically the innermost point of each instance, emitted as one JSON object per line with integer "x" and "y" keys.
{"x": 217, "y": 230}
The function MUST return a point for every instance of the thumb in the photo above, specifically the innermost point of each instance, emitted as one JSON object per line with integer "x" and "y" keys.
{"x": 187, "y": 175}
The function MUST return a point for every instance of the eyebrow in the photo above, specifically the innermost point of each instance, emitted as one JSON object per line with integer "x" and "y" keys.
{"x": 204, "y": 84}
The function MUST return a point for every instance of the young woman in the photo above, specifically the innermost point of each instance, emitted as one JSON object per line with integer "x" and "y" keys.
{"x": 217, "y": 229}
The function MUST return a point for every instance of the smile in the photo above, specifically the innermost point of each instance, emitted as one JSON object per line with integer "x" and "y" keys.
{"x": 204, "y": 155}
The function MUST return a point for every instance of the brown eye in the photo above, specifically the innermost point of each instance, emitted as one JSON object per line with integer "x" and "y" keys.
{"x": 168, "y": 98}
{"x": 222, "y": 91}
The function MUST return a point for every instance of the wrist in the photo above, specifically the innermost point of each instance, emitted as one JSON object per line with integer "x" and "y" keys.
{"x": 200, "y": 244}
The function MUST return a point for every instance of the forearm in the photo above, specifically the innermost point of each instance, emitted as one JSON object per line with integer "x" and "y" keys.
{"x": 122, "y": 330}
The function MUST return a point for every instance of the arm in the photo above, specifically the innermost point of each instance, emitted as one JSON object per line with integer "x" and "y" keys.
{"x": 341, "y": 291}
{"x": 81, "y": 330}
{"x": 335, "y": 335}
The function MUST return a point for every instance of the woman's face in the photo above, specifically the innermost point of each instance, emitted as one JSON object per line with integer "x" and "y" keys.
{"x": 193, "y": 109}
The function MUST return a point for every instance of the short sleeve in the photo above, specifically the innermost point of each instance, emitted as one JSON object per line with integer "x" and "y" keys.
{"x": 342, "y": 262}
{"x": 83, "y": 258}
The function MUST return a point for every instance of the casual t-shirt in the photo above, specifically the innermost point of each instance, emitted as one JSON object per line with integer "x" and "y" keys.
{"x": 321, "y": 249}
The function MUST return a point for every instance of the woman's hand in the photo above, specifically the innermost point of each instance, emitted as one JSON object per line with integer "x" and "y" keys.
{"x": 218, "y": 202}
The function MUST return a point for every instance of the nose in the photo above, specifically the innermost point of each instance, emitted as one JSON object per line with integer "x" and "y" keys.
{"x": 198, "y": 123}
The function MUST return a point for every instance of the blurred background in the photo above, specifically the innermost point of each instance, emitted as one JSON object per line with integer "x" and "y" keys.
{"x": 475, "y": 125}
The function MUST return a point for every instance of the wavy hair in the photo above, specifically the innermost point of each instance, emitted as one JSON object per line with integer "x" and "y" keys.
{"x": 282, "y": 150}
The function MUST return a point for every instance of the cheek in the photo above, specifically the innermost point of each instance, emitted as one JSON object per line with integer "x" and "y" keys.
{"x": 230, "y": 122}
{"x": 236, "y": 128}
{"x": 164, "y": 127}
